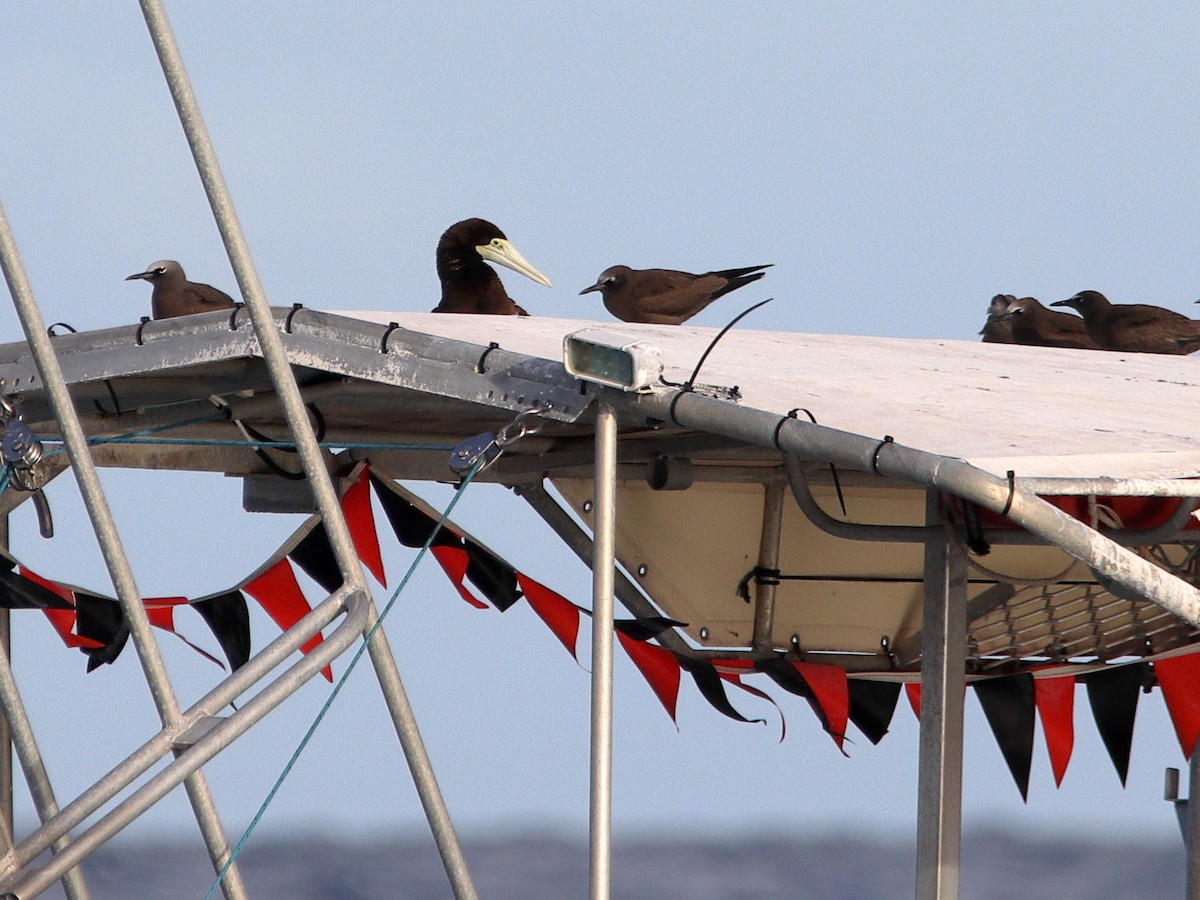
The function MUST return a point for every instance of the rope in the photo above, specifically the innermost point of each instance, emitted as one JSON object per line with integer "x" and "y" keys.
{"x": 340, "y": 684}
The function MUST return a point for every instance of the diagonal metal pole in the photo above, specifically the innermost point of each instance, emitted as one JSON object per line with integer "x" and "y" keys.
{"x": 105, "y": 528}
{"x": 275, "y": 357}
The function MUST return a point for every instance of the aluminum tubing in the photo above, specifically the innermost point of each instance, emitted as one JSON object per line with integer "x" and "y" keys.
{"x": 893, "y": 460}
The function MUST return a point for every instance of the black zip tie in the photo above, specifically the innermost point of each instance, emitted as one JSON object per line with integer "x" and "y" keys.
{"x": 492, "y": 345}
{"x": 141, "y": 327}
{"x": 1012, "y": 489}
{"x": 287, "y": 323}
{"x": 971, "y": 520}
{"x": 887, "y": 439}
{"x": 779, "y": 427}
{"x": 760, "y": 574}
{"x": 237, "y": 307}
{"x": 50, "y": 330}
{"x": 383, "y": 341}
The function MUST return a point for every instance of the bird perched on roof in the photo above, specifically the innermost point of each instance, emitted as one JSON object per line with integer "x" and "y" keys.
{"x": 468, "y": 284}
{"x": 1035, "y": 326}
{"x": 998, "y": 329}
{"x": 1134, "y": 327}
{"x": 665, "y": 296}
{"x": 174, "y": 295}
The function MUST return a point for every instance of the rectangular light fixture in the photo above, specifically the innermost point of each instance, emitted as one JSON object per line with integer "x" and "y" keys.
{"x": 612, "y": 359}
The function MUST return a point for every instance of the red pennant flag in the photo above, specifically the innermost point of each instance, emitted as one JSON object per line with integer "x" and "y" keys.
{"x": 278, "y": 592}
{"x": 660, "y": 668}
{"x": 161, "y": 611}
{"x": 912, "y": 689}
{"x": 356, "y": 507}
{"x": 559, "y": 613}
{"x": 1055, "y": 699}
{"x": 63, "y": 620}
{"x": 1180, "y": 677}
{"x": 454, "y": 561}
{"x": 832, "y": 691}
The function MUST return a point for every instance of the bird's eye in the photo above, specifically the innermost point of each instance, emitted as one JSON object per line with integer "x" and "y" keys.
{"x": 495, "y": 242}
{"x": 160, "y": 271}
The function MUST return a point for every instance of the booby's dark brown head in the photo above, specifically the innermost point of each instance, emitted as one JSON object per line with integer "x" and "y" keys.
{"x": 469, "y": 285}
{"x": 666, "y": 296}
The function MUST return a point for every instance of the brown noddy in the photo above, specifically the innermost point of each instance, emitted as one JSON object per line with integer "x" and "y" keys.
{"x": 1134, "y": 327}
{"x": 1035, "y": 326}
{"x": 998, "y": 329}
{"x": 174, "y": 295}
{"x": 666, "y": 296}
{"x": 469, "y": 285}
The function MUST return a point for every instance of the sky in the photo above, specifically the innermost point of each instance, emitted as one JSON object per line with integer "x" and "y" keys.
{"x": 898, "y": 164}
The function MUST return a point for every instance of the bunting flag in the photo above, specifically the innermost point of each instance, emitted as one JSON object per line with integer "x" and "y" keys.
{"x": 228, "y": 617}
{"x": 1009, "y": 706}
{"x": 1113, "y": 695}
{"x": 561, "y": 617}
{"x": 658, "y": 665}
{"x": 912, "y": 690}
{"x": 1055, "y": 700}
{"x": 872, "y": 705}
{"x": 1179, "y": 677}
{"x": 95, "y": 625}
{"x": 279, "y": 594}
{"x": 831, "y": 693}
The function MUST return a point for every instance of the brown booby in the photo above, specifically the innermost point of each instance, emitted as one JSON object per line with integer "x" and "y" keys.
{"x": 1035, "y": 326}
{"x": 665, "y": 296}
{"x": 998, "y": 329}
{"x": 174, "y": 295}
{"x": 468, "y": 284}
{"x": 1134, "y": 327}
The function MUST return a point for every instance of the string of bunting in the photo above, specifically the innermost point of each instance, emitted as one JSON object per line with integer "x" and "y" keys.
{"x": 95, "y": 625}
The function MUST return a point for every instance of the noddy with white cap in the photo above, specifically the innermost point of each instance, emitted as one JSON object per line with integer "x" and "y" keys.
{"x": 174, "y": 295}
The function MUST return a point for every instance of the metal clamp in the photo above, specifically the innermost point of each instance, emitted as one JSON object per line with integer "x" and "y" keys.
{"x": 482, "y": 450}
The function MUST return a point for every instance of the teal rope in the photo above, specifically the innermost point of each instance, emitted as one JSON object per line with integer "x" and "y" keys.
{"x": 340, "y": 684}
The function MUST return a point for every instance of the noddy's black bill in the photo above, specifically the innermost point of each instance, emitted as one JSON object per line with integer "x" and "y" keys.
{"x": 174, "y": 295}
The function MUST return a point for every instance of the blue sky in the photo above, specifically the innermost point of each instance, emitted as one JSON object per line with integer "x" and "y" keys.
{"x": 898, "y": 166}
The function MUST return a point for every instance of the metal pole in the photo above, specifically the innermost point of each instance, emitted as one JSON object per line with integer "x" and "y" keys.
{"x": 603, "y": 564}
{"x": 275, "y": 357}
{"x": 105, "y": 528}
{"x": 943, "y": 660}
{"x": 1192, "y": 837}
{"x": 6, "y": 742}
{"x": 768, "y": 558}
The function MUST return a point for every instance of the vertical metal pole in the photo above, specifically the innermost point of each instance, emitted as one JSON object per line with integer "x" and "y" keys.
{"x": 6, "y": 749}
{"x": 105, "y": 529}
{"x": 943, "y": 661}
{"x": 308, "y": 449}
{"x": 1192, "y": 836}
{"x": 603, "y": 565}
{"x": 768, "y": 558}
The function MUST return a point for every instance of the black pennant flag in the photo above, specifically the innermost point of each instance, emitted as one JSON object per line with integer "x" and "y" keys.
{"x": 1113, "y": 696}
{"x": 495, "y": 578}
{"x": 1009, "y": 706}
{"x": 411, "y": 525}
{"x": 645, "y": 628}
{"x": 228, "y": 617}
{"x": 872, "y": 705}
{"x": 101, "y": 619}
{"x": 709, "y": 683}
{"x": 314, "y": 555}
{"x": 17, "y": 592}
